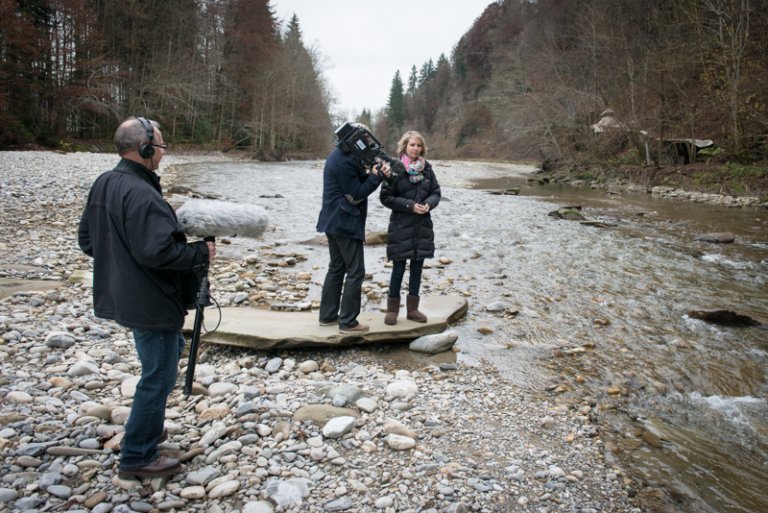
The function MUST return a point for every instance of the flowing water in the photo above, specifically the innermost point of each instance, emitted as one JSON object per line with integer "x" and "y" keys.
{"x": 588, "y": 313}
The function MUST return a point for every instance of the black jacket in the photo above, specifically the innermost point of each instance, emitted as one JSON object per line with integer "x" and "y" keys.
{"x": 346, "y": 187}
{"x": 411, "y": 235}
{"x": 139, "y": 253}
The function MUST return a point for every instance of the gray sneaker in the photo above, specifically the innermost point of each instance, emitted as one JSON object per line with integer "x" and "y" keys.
{"x": 359, "y": 328}
{"x": 332, "y": 322}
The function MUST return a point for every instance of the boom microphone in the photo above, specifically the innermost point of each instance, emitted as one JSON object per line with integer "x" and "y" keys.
{"x": 204, "y": 218}
{"x": 208, "y": 219}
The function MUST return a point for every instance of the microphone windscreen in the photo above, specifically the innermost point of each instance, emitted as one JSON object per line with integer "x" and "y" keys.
{"x": 203, "y": 218}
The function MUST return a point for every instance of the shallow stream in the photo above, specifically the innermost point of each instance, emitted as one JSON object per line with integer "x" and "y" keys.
{"x": 596, "y": 315}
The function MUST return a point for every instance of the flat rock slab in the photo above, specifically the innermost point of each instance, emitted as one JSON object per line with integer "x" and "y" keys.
{"x": 268, "y": 329}
{"x": 9, "y": 287}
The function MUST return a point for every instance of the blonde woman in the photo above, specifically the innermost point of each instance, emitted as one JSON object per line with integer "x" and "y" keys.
{"x": 411, "y": 197}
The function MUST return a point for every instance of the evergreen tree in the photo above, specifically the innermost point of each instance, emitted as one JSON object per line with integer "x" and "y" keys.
{"x": 301, "y": 120}
{"x": 413, "y": 81}
{"x": 250, "y": 42}
{"x": 365, "y": 118}
{"x": 396, "y": 104}
{"x": 427, "y": 70}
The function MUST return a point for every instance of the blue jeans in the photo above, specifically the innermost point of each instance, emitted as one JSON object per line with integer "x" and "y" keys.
{"x": 347, "y": 259}
{"x": 159, "y": 353}
{"x": 414, "y": 278}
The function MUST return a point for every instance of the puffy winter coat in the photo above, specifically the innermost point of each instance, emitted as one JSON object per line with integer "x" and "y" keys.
{"x": 140, "y": 256}
{"x": 411, "y": 235}
{"x": 346, "y": 187}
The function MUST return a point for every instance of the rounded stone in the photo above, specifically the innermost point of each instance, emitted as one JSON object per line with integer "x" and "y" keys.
{"x": 224, "y": 489}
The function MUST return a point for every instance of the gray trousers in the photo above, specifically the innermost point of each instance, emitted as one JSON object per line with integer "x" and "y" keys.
{"x": 340, "y": 299}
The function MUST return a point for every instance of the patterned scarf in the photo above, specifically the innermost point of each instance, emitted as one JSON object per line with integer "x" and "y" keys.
{"x": 415, "y": 168}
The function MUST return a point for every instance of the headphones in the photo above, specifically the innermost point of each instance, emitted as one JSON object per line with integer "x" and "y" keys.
{"x": 146, "y": 150}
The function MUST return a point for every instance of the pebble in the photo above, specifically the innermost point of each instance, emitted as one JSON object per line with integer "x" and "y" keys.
{"x": 172, "y": 505}
{"x": 224, "y": 489}
{"x": 203, "y": 476}
{"x": 396, "y": 427}
{"x": 367, "y": 404}
{"x": 273, "y": 365}
{"x": 61, "y": 491}
{"x": 400, "y": 443}
{"x": 80, "y": 369}
{"x": 8, "y": 494}
{"x": 18, "y": 397}
{"x": 141, "y": 506}
{"x": 95, "y": 499}
{"x": 338, "y": 426}
{"x": 28, "y": 461}
{"x": 401, "y": 389}
{"x": 258, "y": 507}
{"x": 308, "y": 367}
{"x": 288, "y": 493}
{"x": 59, "y": 340}
{"x": 221, "y": 389}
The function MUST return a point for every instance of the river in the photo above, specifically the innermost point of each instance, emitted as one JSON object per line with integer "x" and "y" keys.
{"x": 590, "y": 315}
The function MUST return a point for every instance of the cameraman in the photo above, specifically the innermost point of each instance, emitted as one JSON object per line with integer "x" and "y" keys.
{"x": 346, "y": 186}
{"x": 139, "y": 261}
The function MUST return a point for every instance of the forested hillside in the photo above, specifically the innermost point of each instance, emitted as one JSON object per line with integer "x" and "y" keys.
{"x": 531, "y": 77}
{"x": 528, "y": 80}
{"x": 212, "y": 72}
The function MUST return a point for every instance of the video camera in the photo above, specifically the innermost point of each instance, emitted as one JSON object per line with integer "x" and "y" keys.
{"x": 360, "y": 142}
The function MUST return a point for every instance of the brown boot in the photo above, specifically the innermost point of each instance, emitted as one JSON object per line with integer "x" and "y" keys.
{"x": 393, "y": 309}
{"x": 412, "y": 306}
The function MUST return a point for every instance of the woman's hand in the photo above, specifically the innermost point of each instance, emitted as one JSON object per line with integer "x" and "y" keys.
{"x": 420, "y": 208}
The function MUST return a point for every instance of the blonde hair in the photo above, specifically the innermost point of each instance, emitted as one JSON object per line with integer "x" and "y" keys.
{"x": 403, "y": 142}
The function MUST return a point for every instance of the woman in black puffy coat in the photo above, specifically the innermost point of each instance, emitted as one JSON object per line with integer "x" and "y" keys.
{"x": 411, "y": 196}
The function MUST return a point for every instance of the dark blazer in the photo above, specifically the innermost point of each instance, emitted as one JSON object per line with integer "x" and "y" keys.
{"x": 346, "y": 187}
{"x": 411, "y": 235}
{"x": 139, "y": 254}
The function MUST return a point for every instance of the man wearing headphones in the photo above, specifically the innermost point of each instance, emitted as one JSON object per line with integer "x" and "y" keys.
{"x": 139, "y": 259}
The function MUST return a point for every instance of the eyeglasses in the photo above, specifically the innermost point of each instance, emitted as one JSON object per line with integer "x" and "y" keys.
{"x": 161, "y": 146}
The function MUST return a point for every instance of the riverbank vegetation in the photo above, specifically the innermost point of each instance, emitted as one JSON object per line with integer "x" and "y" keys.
{"x": 215, "y": 73}
{"x": 584, "y": 86}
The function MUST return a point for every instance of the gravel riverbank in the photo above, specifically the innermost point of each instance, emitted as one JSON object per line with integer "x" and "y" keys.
{"x": 432, "y": 437}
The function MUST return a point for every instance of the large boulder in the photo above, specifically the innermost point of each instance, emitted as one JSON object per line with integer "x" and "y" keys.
{"x": 433, "y": 344}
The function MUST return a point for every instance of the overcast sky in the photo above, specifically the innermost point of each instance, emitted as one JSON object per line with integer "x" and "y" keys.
{"x": 363, "y": 42}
